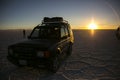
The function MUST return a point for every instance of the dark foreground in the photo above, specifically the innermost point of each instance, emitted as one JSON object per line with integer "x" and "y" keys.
{"x": 94, "y": 57}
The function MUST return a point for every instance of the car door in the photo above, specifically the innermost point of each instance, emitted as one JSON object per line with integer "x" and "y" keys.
{"x": 64, "y": 40}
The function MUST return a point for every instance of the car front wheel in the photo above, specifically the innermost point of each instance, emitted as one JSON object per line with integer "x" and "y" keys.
{"x": 69, "y": 49}
{"x": 55, "y": 64}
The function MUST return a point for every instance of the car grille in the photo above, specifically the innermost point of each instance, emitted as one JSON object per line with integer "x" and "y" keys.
{"x": 24, "y": 53}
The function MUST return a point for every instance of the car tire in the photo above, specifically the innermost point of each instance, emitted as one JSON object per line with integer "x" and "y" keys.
{"x": 55, "y": 64}
{"x": 69, "y": 52}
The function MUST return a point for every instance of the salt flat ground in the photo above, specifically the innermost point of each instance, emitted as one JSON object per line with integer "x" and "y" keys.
{"x": 95, "y": 56}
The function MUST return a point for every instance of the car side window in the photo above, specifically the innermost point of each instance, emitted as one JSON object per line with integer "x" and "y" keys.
{"x": 66, "y": 31}
{"x": 63, "y": 34}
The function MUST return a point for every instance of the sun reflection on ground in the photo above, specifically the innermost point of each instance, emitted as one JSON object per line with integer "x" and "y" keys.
{"x": 92, "y": 32}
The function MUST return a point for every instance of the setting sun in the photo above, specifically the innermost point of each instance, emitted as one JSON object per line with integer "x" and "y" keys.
{"x": 92, "y": 26}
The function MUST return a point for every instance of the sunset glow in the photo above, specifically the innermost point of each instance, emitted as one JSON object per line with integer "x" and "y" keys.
{"x": 17, "y": 15}
{"x": 92, "y": 26}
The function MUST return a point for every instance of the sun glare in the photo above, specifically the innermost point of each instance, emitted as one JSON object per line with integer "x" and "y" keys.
{"x": 92, "y": 26}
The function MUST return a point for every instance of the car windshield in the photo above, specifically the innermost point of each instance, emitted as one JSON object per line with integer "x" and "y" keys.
{"x": 46, "y": 32}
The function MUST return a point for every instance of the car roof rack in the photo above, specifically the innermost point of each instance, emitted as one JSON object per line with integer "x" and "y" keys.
{"x": 54, "y": 20}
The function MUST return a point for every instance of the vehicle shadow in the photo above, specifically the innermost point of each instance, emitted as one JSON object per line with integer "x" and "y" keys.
{"x": 27, "y": 73}
{"x": 30, "y": 73}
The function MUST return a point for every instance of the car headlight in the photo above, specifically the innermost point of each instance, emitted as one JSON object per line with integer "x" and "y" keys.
{"x": 40, "y": 54}
{"x": 10, "y": 51}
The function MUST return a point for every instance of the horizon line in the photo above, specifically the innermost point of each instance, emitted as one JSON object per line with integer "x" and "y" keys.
{"x": 72, "y": 29}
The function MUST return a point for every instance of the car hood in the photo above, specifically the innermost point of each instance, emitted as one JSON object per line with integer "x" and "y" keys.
{"x": 40, "y": 44}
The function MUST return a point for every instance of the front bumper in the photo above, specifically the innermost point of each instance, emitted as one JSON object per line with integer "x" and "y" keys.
{"x": 29, "y": 62}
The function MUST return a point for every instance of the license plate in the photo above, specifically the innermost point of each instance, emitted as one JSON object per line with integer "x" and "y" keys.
{"x": 22, "y": 62}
